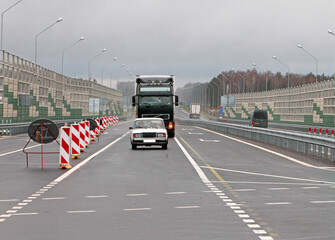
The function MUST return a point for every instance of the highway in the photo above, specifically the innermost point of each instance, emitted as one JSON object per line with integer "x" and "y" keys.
{"x": 206, "y": 185}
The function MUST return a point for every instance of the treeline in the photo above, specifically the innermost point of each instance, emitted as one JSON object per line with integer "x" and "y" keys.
{"x": 256, "y": 81}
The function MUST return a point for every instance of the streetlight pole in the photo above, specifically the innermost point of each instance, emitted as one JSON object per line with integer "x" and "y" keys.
{"x": 243, "y": 87}
{"x": 89, "y": 62}
{"x": 266, "y": 76}
{"x": 288, "y": 69}
{"x": 316, "y": 61}
{"x": 2, "y": 20}
{"x": 122, "y": 65}
{"x": 229, "y": 83}
{"x": 58, "y": 20}
{"x": 331, "y": 32}
{"x": 102, "y": 69}
{"x": 81, "y": 39}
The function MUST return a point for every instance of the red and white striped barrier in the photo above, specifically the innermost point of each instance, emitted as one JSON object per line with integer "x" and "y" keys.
{"x": 75, "y": 142}
{"x": 82, "y": 136}
{"x": 97, "y": 129}
{"x": 65, "y": 144}
{"x": 117, "y": 119}
{"x": 114, "y": 120}
{"x": 87, "y": 133}
{"x": 102, "y": 124}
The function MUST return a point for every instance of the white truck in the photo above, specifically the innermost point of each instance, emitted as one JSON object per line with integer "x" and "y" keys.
{"x": 195, "y": 111}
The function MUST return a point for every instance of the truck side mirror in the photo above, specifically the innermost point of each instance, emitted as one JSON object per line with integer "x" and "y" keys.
{"x": 133, "y": 100}
{"x": 176, "y": 100}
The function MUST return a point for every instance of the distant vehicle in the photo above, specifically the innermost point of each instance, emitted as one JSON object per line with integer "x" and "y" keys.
{"x": 154, "y": 98}
{"x": 195, "y": 111}
{"x": 259, "y": 118}
{"x": 148, "y": 132}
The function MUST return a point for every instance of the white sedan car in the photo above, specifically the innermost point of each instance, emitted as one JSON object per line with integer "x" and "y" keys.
{"x": 148, "y": 132}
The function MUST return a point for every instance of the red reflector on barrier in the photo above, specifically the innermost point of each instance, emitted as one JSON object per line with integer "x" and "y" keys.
{"x": 332, "y": 132}
{"x": 315, "y": 130}
{"x": 320, "y": 130}
{"x": 309, "y": 129}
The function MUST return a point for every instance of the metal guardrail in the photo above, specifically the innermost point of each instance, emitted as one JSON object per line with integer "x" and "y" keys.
{"x": 309, "y": 144}
{"x": 18, "y": 128}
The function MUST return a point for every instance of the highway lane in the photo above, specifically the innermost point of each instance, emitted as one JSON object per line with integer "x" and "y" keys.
{"x": 129, "y": 194}
{"x": 205, "y": 186}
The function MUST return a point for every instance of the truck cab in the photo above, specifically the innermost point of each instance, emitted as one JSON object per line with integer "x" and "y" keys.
{"x": 154, "y": 98}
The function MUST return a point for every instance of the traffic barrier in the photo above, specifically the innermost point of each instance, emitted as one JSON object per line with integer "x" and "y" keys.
{"x": 75, "y": 141}
{"x": 114, "y": 120}
{"x": 110, "y": 121}
{"x": 117, "y": 119}
{"x": 309, "y": 130}
{"x": 332, "y": 133}
{"x": 102, "y": 124}
{"x": 64, "y": 153}
{"x": 87, "y": 133}
{"x": 92, "y": 136}
{"x": 82, "y": 136}
{"x": 97, "y": 129}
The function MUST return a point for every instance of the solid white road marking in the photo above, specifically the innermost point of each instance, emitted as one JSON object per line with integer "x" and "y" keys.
{"x": 195, "y": 133}
{"x": 278, "y": 203}
{"x": 98, "y": 196}
{"x": 54, "y": 198}
{"x": 9, "y": 200}
{"x": 310, "y": 187}
{"x": 186, "y": 207}
{"x": 19, "y": 150}
{"x": 83, "y": 211}
{"x": 331, "y": 201}
{"x": 136, "y": 209}
{"x": 267, "y": 175}
{"x": 173, "y": 193}
{"x": 267, "y": 150}
{"x": 136, "y": 194}
{"x": 186, "y": 129}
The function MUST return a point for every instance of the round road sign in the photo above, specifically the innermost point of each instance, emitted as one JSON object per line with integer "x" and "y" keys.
{"x": 43, "y": 131}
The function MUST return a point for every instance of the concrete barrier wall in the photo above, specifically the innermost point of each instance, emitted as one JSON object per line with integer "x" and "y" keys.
{"x": 29, "y": 92}
{"x": 312, "y": 104}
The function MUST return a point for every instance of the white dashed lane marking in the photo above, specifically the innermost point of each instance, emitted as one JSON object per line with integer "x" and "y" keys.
{"x": 278, "y": 203}
{"x": 9, "y": 200}
{"x": 243, "y": 190}
{"x": 98, "y": 196}
{"x": 310, "y": 187}
{"x": 54, "y": 198}
{"x": 277, "y": 189}
{"x": 187, "y": 207}
{"x": 136, "y": 194}
{"x": 173, "y": 193}
{"x": 83, "y": 211}
{"x": 136, "y": 209}
{"x": 329, "y": 201}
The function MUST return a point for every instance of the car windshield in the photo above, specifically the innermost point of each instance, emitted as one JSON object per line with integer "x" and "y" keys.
{"x": 149, "y": 124}
{"x": 155, "y": 100}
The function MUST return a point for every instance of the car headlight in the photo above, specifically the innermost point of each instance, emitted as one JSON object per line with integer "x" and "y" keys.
{"x": 137, "y": 135}
{"x": 160, "y": 134}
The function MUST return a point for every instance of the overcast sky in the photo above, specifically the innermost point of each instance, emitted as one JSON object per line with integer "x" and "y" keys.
{"x": 193, "y": 39}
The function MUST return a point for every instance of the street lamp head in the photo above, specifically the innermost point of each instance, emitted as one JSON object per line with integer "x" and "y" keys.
{"x": 299, "y": 46}
{"x": 104, "y": 50}
{"x": 59, "y": 20}
{"x": 82, "y": 38}
{"x": 115, "y": 59}
{"x": 254, "y": 64}
{"x": 122, "y": 65}
{"x": 274, "y": 57}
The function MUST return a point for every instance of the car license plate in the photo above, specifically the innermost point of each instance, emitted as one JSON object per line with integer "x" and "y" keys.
{"x": 149, "y": 140}
{"x": 256, "y": 123}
